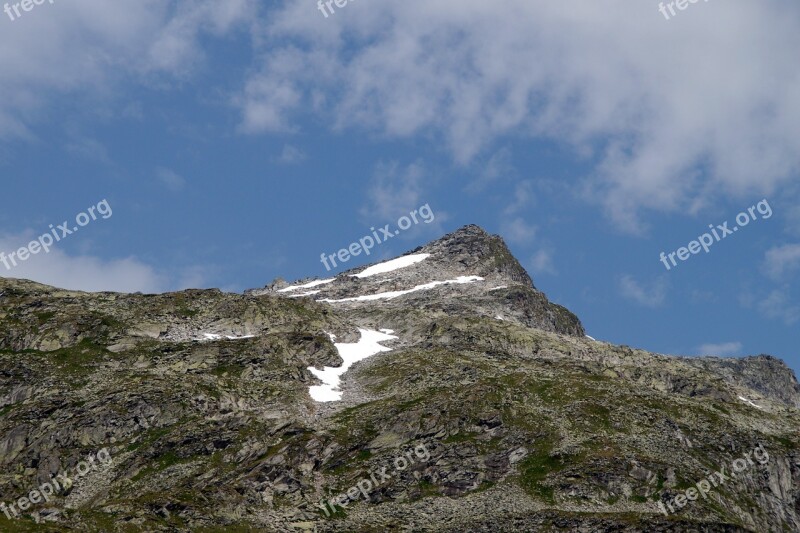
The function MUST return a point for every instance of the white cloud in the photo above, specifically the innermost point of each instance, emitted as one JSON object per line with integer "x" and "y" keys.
{"x": 776, "y": 305}
{"x": 195, "y": 277}
{"x": 670, "y": 113}
{"x": 781, "y": 260}
{"x": 88, "y": 148}
{"x": 88, "y": 46}
{"x": 518, "y": 231}
{"x": 394, "y": 192}
{"x": 85, "y": 273}
{"x": 177, "y": 46}
{"x": 291, "y": 155}
{"x": 699, "y": 296}
{"x": 397, "y": 190}
{"x": 542, "y": 263}
{"x": 722, "y": 349}
{"x": 523, "y": 196}
{"x": 170, "y": 179}
{"x": 652, "y": 297}
{"x": 500, "y": 166}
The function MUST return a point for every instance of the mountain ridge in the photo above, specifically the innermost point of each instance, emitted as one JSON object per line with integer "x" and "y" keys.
{"x": 202, "y": 399}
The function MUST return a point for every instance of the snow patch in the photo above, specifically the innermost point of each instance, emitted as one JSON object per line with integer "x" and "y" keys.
{"x": 309, "y": 293}
{"x": 394, "y": 264}
{"x": 387, "y": 331}
{"x": 749, "y": 402}
{"x": 592, "y": 338}
{"x": 350, "y": 353}
{"x": 498, "y": 317}
{"x": 216, "y": 337}
{"x": 500, "y": 287}
{"x": 394, "y": 294}
{"x": 308, "y": 285}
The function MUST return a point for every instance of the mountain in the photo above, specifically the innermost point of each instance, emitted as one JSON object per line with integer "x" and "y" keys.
{"x": 476, "y": 276}
{"x": 470, "y": 403}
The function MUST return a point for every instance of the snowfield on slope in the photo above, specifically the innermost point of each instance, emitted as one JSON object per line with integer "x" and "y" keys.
{"x": 350, "y": 353}
{"x": 216, "y": 337}
{"x": 309, "y": 293}
{"x": 308, "y": 285}
{"x": 750, "y": 402}
{"x": 394, "y": 264}
{"x": 394, "y": 294}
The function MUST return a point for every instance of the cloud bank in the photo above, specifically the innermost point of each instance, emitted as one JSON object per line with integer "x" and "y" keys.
{"x": 673, "y": 115}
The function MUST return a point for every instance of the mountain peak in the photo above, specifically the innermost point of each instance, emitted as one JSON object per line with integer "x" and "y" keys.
{"x": 486, "y": 253}
{"x": 470, "y": 230}
{"x": 466, "y": 272}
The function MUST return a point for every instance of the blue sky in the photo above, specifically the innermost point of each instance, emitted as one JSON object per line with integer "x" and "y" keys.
{"x": 237, "y": 141}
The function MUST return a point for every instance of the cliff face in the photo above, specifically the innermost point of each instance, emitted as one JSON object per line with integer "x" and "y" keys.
{"x": 503, "y": 414}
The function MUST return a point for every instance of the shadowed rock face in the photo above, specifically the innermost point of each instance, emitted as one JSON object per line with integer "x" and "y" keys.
{"x": 765, "y": 374}
{"x": 202, "y": 400}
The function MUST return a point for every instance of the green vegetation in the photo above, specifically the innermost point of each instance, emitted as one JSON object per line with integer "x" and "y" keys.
{"x": 185, "y": 312}
{"x": 537, "y": 466}
{"x": 78, "y": 360}
{"x": 162, "y": 462}
{"x": 426, "y": 489}
{"x": 338, "y": 512}
{"x": 363, "y": 455}
{"x": 149, "y": 437}
{"x": 45, "y": 316}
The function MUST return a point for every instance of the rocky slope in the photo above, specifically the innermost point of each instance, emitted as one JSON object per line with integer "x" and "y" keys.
{"x": 202, "y": 400}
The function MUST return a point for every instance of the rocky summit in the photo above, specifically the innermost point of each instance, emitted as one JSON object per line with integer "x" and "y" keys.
{"x": 470, "y": 402}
